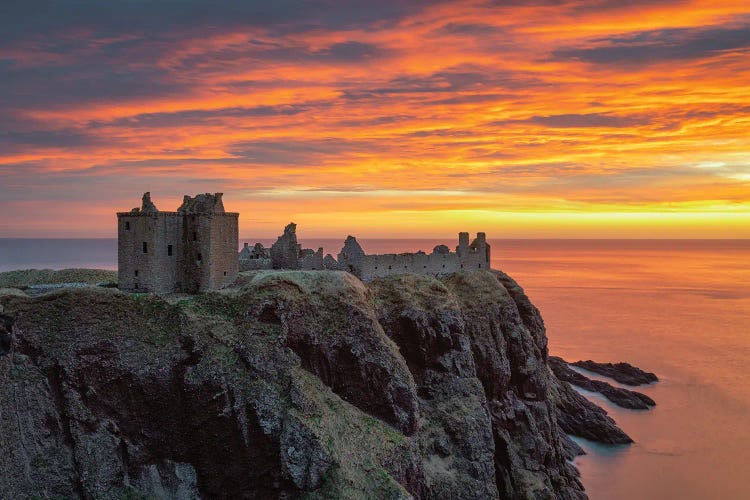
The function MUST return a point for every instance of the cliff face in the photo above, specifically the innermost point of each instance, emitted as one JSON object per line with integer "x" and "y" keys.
{"x": 289, "y": 384}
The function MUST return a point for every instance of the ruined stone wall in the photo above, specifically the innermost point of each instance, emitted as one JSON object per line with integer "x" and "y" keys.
{"x": 149, "y": 268}
{"x": 224, "y": 240}
{"x": 210, "y": 243}
{"x": 197, "y": 252}
{"x": 311, "y": 261}
{"x": 377, "y": 266}
{"x": 255, "y": 264}
{"x": 440, "y": 262}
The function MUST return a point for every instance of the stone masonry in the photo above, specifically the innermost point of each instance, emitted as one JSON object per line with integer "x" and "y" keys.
{"x": 441, "y": 261}
{"x": 195, "y": 249}
{"x": 287, "y": 253}
{"x": 190, "y": 250}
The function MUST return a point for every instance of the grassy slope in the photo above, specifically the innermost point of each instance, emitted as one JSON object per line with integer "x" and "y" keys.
{"x": 26, "y": 277}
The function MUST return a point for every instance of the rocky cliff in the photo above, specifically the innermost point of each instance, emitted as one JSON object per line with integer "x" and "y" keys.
{"x": 289, "y": 384}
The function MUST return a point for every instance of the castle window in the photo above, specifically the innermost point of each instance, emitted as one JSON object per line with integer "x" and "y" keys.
{"x": 389, "y": 267}
{"x": 169, "y": 250}
{"x": 480, "y": 266}
{"x": 145, "y": 247}
{"x": 405, "y": 267}
{"x": 225, "y": 273}
{"x": 195, "y": 236}
{"x": 136, "y": 272}
{"x": 200, "y": 257}
{"x": 425, "y": 267}
{"x": 462, "y": 266}
{"x": 127, "y": 226}
{"x": 443, "y": 266}
{"x": 376, "y": 267}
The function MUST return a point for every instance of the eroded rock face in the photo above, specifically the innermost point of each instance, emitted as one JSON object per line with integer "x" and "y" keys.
{"x": 290, "y": 383}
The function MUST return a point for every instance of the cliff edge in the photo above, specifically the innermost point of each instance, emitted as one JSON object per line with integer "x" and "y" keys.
{"x": 288, "y": 384}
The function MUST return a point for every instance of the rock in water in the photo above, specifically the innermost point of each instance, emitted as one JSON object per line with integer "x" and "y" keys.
{"x": 289, "y": 384}
{"x": 621, "y": 397}
{"x": 624, "y": 373}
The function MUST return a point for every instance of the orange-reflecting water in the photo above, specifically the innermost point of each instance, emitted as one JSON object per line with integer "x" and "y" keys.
{"x": 677, "y": 308}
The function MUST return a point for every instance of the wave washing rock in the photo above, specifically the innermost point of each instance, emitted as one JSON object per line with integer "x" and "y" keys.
{"x": 289, "y": 384}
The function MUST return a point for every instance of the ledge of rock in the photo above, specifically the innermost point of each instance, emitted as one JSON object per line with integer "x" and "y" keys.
{"x": 621, "y": 397}
{"x": 624, "y": 373}
{"x": 288, "y": 384}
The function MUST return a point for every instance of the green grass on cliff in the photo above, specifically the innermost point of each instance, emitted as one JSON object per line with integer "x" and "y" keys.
{"x": 27, "y": 277}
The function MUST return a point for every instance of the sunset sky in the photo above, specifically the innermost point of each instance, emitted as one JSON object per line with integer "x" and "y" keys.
{"x": 544, "y": 119}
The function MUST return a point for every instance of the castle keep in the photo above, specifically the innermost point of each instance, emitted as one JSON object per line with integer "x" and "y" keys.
{"x": 195, "y": 249}
{"x": 190, "y": 250}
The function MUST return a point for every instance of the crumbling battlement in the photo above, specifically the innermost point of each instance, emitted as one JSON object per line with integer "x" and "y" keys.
{"x": 287, "y": 253}
{"x": 441, "y": 261}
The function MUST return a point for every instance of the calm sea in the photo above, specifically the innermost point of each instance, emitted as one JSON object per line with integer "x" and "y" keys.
{"x": 677, "y": 308}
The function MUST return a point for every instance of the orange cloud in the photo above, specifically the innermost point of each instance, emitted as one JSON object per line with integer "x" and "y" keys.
{"x": 568, "y": 119}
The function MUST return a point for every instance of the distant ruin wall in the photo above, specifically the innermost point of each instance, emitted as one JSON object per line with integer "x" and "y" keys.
{"x": 287, "y": 253}
{"x": 440, "y": 262}
{"x": 377, "y": 266}
{"x": 311, "y": 261}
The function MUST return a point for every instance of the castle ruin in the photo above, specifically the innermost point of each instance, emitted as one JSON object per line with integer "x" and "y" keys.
{"x": 441, "y": 261}
{"x": 190, "y": 250}
{"x": 287, "y": 253}
{"x": 195, "y": 249}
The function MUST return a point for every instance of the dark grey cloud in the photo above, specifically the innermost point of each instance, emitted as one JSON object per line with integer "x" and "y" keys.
{"x": 24, "y": 19}
{"x": 449, "y": 81}
{"x": 297, "y": 152}
{"x": 206, "y": 116}
{"x": 374, "y": 121}
{"x": 471, "y": 29}
{"x": 575, "y": 120}
{"x": 349, "y": 52}
{"x": 578, "y": 120}
{"x": 661, "y": 45}
{"x": 16, "y": 142}
{"x": 92, "y": 80}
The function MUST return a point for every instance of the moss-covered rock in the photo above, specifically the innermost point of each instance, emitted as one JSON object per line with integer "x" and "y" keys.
{"x": 288, "y": 384}
{"x": 28, "y": 277}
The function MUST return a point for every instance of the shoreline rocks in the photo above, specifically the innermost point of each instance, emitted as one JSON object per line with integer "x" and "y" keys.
{"x": 624, "y": 373}
{"x": 623, "y": 398}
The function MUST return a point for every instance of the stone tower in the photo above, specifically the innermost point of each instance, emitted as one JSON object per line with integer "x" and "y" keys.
{"x": 193, "y": 249}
